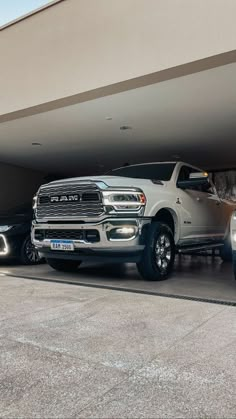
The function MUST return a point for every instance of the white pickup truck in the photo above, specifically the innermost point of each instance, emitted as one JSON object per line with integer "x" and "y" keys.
{"x": 143, "y": 213}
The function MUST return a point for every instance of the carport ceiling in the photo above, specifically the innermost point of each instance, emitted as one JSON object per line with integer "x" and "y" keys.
{"x": 193, "y": 117}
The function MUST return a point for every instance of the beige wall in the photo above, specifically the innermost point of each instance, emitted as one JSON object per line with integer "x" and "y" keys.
{"x": 17, "y": 186}
{"x": 79, "y": 45}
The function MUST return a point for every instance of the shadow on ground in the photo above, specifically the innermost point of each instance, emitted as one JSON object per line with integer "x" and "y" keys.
{"x": 202, "y": 277}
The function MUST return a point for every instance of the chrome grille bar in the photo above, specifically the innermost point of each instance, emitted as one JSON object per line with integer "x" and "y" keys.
{"x": 88, "y": 202}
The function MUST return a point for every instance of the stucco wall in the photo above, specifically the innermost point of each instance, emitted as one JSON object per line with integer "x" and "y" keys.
{"x": 79, "y": 45}
{"x": 17, "y": 186}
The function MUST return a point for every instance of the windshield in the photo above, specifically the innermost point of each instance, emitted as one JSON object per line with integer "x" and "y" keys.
{"x": 157, "y": 171}
{"x": 25, "y": 210}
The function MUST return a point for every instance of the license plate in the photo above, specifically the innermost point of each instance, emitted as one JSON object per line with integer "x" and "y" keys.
{"x": 66, "y": 245}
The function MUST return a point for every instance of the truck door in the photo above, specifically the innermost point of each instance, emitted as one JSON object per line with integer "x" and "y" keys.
{"x": 208, "y": 213}
{"x": 217, "y": 212}
{"x": 192, "y": 209}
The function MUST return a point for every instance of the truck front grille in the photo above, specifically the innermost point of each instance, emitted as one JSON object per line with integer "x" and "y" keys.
{"x": 90, "y": 235}
{"x": 65, "y": 202}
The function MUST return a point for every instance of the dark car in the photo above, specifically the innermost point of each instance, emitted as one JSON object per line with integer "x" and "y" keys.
{"x": 15, "y": 239}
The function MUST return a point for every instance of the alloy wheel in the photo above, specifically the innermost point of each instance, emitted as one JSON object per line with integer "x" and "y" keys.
{"x": 31, "y": 252}
{"x": 163, "y": 252}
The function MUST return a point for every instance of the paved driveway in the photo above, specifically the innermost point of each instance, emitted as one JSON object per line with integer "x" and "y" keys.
{"x": 68, "y": 351}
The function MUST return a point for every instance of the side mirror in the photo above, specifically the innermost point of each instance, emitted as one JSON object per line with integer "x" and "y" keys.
{"x": 195, "y": 179}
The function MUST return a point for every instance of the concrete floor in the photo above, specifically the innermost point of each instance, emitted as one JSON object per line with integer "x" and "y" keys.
{"x": 70, "y": 351}
{"x": 194, "y": 276}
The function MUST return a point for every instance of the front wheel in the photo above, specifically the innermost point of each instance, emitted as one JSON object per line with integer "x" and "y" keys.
{"x": 226, "y": 251}
{"x": 64, "y": 265}
{"x": 28, "y": 253}
{"x": 159, "y": 254}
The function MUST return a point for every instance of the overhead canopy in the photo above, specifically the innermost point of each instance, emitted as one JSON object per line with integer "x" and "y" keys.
{"x": 192, "y": 118}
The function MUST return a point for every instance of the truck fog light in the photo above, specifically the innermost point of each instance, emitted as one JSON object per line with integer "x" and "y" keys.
{"x": 39, "y": 235}
{"x": 122, "y": 233}
{"x": 125, "y": 230}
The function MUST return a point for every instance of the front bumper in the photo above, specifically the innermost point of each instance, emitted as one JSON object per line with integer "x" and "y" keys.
{"x": 104, "y": 243}
{"x": 10, "y": 245}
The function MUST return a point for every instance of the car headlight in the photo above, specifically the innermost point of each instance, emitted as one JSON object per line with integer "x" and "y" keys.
{"x": 3, "y": 229}
{"x": 124, "y": 200}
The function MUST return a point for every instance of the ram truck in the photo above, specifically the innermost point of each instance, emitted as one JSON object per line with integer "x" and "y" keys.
{"x": 142, "y": 213}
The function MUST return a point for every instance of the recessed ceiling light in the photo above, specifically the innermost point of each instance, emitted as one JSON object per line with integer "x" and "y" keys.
{"x": 125, "y": 127}
{"x": 37, "y": 144}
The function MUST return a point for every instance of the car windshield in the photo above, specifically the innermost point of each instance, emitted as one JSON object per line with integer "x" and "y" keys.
{"x": 25, "y": 209}
{"x": 157, "y": 171}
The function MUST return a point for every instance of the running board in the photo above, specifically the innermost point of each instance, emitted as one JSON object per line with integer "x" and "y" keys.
{"x": 199, "y": 247}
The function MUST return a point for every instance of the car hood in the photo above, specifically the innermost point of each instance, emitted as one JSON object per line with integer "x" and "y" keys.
{"x": 14, "y": 220}
{"x": 110, "y": 181}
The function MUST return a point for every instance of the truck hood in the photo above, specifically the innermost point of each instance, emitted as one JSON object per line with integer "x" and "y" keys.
{"x": 115, "y": 181}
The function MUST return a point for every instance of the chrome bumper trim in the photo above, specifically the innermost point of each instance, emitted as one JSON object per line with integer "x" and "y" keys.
{"x": 103, "y": 227}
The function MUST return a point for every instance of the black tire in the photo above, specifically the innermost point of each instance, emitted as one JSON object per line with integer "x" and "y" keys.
{"x": 226, "y": 251}
{"x": 64, "y": 265}
{"x": 159, "y": 253}
{"x": 28, "y": 253}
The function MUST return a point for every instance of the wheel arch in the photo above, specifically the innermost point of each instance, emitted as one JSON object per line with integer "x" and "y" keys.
{"x": 169, "y": 217}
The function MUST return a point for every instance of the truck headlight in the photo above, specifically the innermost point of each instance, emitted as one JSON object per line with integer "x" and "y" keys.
{"x": 3, "y": 229}
{"x": 124, "y": 200}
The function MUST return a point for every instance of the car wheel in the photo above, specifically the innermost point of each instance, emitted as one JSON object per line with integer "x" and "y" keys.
{"x": 64, "y": 265}
{"x": 226, "y": 251}
{"x": 159, "y": 254}
{"x": 29, "y": 254}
